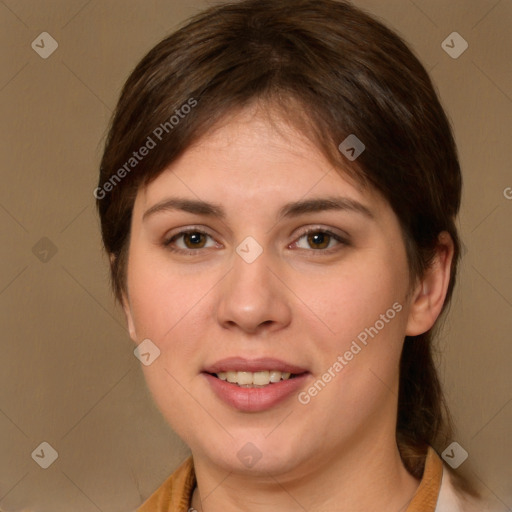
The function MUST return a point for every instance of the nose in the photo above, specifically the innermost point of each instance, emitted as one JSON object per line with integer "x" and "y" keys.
{"x": 253, "y": 297}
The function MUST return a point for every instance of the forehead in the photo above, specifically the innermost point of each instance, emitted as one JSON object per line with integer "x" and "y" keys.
{"x": 251, "y": 156}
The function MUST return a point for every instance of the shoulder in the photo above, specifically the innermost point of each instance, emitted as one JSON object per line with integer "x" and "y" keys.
{"x": 452, "y": 499}
{"x": 175, "y": 492}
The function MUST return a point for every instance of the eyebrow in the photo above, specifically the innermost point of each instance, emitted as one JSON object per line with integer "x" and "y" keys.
{"x": 289, "y": 210}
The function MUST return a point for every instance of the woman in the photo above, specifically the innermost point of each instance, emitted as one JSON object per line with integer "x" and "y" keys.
{"x": 278, "y": 196}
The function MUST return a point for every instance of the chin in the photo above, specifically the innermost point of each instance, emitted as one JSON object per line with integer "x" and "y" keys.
{"x": 256, "y": 455}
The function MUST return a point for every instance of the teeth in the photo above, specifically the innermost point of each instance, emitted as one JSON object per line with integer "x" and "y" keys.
{"x": 261, "y": 378}
{"x": 232, "y": 376}
{"x": 275, "y": 376}
{"x": 244, "y": 378}
{"x": 253, "y": 379}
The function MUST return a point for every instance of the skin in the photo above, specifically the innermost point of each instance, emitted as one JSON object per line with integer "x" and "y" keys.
{"x": 294, "y": 303}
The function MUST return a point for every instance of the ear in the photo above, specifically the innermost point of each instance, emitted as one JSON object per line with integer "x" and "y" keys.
{"x": 430, "y": 292}
{"x": 129, "y": 317}
{"x": 126, "y": 307}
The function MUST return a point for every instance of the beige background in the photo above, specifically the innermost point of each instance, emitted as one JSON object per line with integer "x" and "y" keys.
{"x": 67, "y": 369}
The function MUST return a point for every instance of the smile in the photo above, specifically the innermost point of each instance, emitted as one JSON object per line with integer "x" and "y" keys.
{"x": 254, "y": 379}
{"x": 254, "y": 385}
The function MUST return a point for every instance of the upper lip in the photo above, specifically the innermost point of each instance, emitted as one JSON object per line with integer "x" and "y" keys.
{"x": 241, "y": 364}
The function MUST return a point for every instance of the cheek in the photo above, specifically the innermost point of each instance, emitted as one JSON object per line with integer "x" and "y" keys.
{"x": 162, "y": 301}
{"x": 358, "y": 328}
{"x": 167, "y": 308}
{"x": 346, "y": 300}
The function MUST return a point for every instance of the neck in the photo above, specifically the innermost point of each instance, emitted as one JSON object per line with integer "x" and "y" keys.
{"x": 365, "y": 477}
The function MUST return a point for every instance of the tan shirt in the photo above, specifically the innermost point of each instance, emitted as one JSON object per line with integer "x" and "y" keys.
{"x": 175, "y": 494}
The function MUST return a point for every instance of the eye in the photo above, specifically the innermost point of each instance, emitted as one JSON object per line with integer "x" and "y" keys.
{"x": 191, "y": 241}
{"x": 320, "y": 240}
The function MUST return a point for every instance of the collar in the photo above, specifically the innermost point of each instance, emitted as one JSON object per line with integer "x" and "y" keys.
{"x": 175, "y": 494}
{"x": 427, "y": 494}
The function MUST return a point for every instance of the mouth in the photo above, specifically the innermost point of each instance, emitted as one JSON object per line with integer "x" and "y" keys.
{"x": 258, "y": 379}
{"x": 253, "y": 372}
{"x": 254, "y": 385}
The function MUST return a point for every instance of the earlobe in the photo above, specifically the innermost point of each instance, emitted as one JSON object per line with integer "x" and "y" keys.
{"x": 129, "y": 318}
{"x": 430, "y": 293}
{"x": 126, "y": 306}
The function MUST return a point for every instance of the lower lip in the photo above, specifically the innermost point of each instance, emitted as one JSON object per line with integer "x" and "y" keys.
{"x": 255, "y": 399}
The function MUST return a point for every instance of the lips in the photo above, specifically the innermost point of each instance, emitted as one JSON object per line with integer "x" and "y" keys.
{"x": 239, "y": 364}
{"x": 237, "y": 392}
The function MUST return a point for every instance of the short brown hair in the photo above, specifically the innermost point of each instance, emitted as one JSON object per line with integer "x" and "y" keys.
{"x": 331, "y": 70}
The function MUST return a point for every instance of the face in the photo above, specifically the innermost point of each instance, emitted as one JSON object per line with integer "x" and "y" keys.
{"x": 251, "y": 258}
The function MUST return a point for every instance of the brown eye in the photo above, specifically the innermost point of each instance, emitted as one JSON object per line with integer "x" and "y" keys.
{"x": 320, "y": 239}
{"x": 194, "y": 239}
{"x": 188, "y": 242}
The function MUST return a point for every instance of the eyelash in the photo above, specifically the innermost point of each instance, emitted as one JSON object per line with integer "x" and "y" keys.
{"x": 194, "y": 252}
